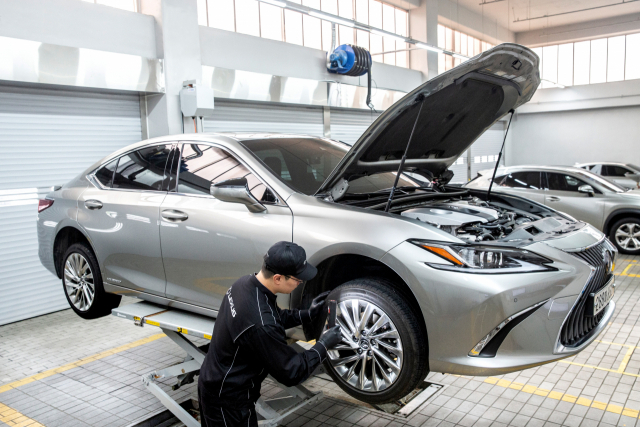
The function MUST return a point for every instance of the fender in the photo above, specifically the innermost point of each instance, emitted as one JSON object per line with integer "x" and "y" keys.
{"x": 607, "y": 223}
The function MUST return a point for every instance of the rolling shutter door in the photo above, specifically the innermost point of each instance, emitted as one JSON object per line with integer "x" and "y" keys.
{"x": 348, "y": 125}
{"x": 484, "y": 152}
{"x": 235, "y": 116}
{"x": 47, "y": 136}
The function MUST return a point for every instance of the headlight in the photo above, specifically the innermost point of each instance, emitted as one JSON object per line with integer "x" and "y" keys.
{"x": 482, "y": 259}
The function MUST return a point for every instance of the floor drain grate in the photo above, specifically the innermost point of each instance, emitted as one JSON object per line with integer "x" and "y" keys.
{"x": 405, "y": 406}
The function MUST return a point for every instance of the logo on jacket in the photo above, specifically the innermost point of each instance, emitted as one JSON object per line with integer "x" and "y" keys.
{"x": 230, "y": 298}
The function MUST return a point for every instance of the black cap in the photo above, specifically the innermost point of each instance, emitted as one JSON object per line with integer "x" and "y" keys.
{"x": 289, "y": 259}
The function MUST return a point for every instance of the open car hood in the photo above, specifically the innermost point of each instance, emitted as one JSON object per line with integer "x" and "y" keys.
{"x": 459, "y": 106}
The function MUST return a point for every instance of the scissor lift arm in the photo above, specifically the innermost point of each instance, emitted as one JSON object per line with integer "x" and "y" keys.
{"x": 176, "y": 324}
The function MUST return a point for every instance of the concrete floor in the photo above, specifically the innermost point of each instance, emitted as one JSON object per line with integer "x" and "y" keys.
{"x": 60, "y": 370}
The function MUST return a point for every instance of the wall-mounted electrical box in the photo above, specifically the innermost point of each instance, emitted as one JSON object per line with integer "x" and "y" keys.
{"x": 196, "y": 100}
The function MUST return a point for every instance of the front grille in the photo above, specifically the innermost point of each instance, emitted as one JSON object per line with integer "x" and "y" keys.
{"x": 578, "y": 324}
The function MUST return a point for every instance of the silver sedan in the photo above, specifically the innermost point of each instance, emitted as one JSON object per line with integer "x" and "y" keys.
{"x": 427, "y": 277}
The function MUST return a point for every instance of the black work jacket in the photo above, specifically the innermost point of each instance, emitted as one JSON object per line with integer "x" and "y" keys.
{"x": 248, "y": 343}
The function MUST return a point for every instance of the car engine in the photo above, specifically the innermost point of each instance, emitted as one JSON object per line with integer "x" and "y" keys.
{"x": 476, "y": 220}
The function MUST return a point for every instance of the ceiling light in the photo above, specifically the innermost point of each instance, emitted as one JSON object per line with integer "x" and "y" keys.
{"x": 331, "y": 18}
{"x": 275, "y": 3}
{"x": 429, "y": 47}
{"x": 388, "y": 35}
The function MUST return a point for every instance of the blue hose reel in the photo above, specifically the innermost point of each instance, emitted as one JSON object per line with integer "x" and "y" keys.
{"x": 350, "y": 60}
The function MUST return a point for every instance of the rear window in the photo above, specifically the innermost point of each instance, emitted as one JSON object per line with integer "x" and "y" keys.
{"x": 142, "y": 169}
{"x": 105, "y": 173}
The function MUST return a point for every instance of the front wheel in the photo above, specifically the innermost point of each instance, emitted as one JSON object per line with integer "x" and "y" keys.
{"x": 82, "y": 284}
{"x": 383, "y": 355}
{"x": 625, "y": 234}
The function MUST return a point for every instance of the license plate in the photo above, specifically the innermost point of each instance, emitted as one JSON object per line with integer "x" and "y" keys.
{"x": 599, "y": 300}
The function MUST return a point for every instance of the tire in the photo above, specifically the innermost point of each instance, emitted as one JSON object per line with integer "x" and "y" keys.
{"x": 411, "y": 364}
{"x": 82, "y": 284}
{"x": 625, "y": 234}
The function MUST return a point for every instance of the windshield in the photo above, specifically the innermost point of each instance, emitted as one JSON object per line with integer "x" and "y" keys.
{"x": 609, "y": 185}
{"x": 303, "y": 163}
{"x": 636, "y": 168}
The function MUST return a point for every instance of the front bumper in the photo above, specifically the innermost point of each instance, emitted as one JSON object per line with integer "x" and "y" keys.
{"x": 461, "y": 308}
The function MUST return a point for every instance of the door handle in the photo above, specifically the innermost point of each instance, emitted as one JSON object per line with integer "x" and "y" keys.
{"x": 93, "y": 204}
{"x": 172, "y": 215}
{"x": 554, "y": 199}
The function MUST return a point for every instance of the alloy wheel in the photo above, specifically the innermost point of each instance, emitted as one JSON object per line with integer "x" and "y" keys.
{"x": 628, "y": 236}
{"x": 78, "y": 281}
{"x": 369, "y": 358}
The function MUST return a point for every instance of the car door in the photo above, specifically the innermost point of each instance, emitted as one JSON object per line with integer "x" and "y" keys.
{"x": 207, "y": 244}
{"x": 524, "y": 184}
{"x": 120, "y": 213}
{"x": 563, "y": 195}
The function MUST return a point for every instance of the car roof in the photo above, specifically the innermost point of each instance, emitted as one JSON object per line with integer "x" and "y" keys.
{"x": 508, "y": 169}
{"x": 601, "y": 163}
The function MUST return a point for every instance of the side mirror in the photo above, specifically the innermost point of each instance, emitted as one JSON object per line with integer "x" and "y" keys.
{"x": 586, "y": 189}
{"x": 236, "y": 191}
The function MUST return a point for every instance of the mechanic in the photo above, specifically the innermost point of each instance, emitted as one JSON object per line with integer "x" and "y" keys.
{"x": 249, "y": 342}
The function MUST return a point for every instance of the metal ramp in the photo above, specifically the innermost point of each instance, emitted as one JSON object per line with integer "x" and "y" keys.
{"x": 178, "y": 323}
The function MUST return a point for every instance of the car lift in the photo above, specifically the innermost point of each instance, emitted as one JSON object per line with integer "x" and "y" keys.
{"x": 176, "y": 324}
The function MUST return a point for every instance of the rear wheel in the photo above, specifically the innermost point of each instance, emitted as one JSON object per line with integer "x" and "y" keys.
{"x": 625, "y": 234}
{"x": 383, "y": 354}
{"x": 82, "y": 284}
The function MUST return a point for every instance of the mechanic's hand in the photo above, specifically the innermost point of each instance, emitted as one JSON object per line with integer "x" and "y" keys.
{"x": 331, "y": 337}
{"x": 316, "y": 305}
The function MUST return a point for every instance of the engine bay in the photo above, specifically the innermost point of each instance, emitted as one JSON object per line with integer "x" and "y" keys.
{"x": 475, "y": 220}
{"x": 467, "y": 215}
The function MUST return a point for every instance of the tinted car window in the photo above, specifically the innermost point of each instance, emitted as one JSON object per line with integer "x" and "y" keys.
{"x": 105, "y": 173}
{"x": 203, "y": 165}
{"x": 562, "y": 182}
{"x": 593, "y": 168}
{"x": 611, "y": 170}
{"x": 304, "y": 164}
{"x": 528, "y": 179}
{"x": 142, "y": 169}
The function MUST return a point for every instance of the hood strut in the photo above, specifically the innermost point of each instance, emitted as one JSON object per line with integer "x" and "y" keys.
{"x": 499, "y": 157}
{"x": 404, "y": 156}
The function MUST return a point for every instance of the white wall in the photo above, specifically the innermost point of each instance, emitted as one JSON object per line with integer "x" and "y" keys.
{"x": 79, "y": 24}
{"x": 567, "y": 137}
{"x": 237, "y": 51}
{"x": 577, "y": 124}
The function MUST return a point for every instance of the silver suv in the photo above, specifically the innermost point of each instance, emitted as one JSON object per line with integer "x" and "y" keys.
{"x": 582, "y": 194}
{"x": 437, "y": 278}
{"x": 624, "y": 174}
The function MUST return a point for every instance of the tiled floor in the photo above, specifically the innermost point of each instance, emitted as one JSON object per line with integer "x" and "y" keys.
{"x": 60, "y": 370}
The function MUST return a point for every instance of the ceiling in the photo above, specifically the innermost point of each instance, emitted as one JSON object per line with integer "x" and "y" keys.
{"x": 516, "y": 15}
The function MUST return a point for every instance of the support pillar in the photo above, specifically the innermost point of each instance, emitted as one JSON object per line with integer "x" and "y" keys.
{"x": 178, "y": 45}
{"x": 423, "y": 22}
